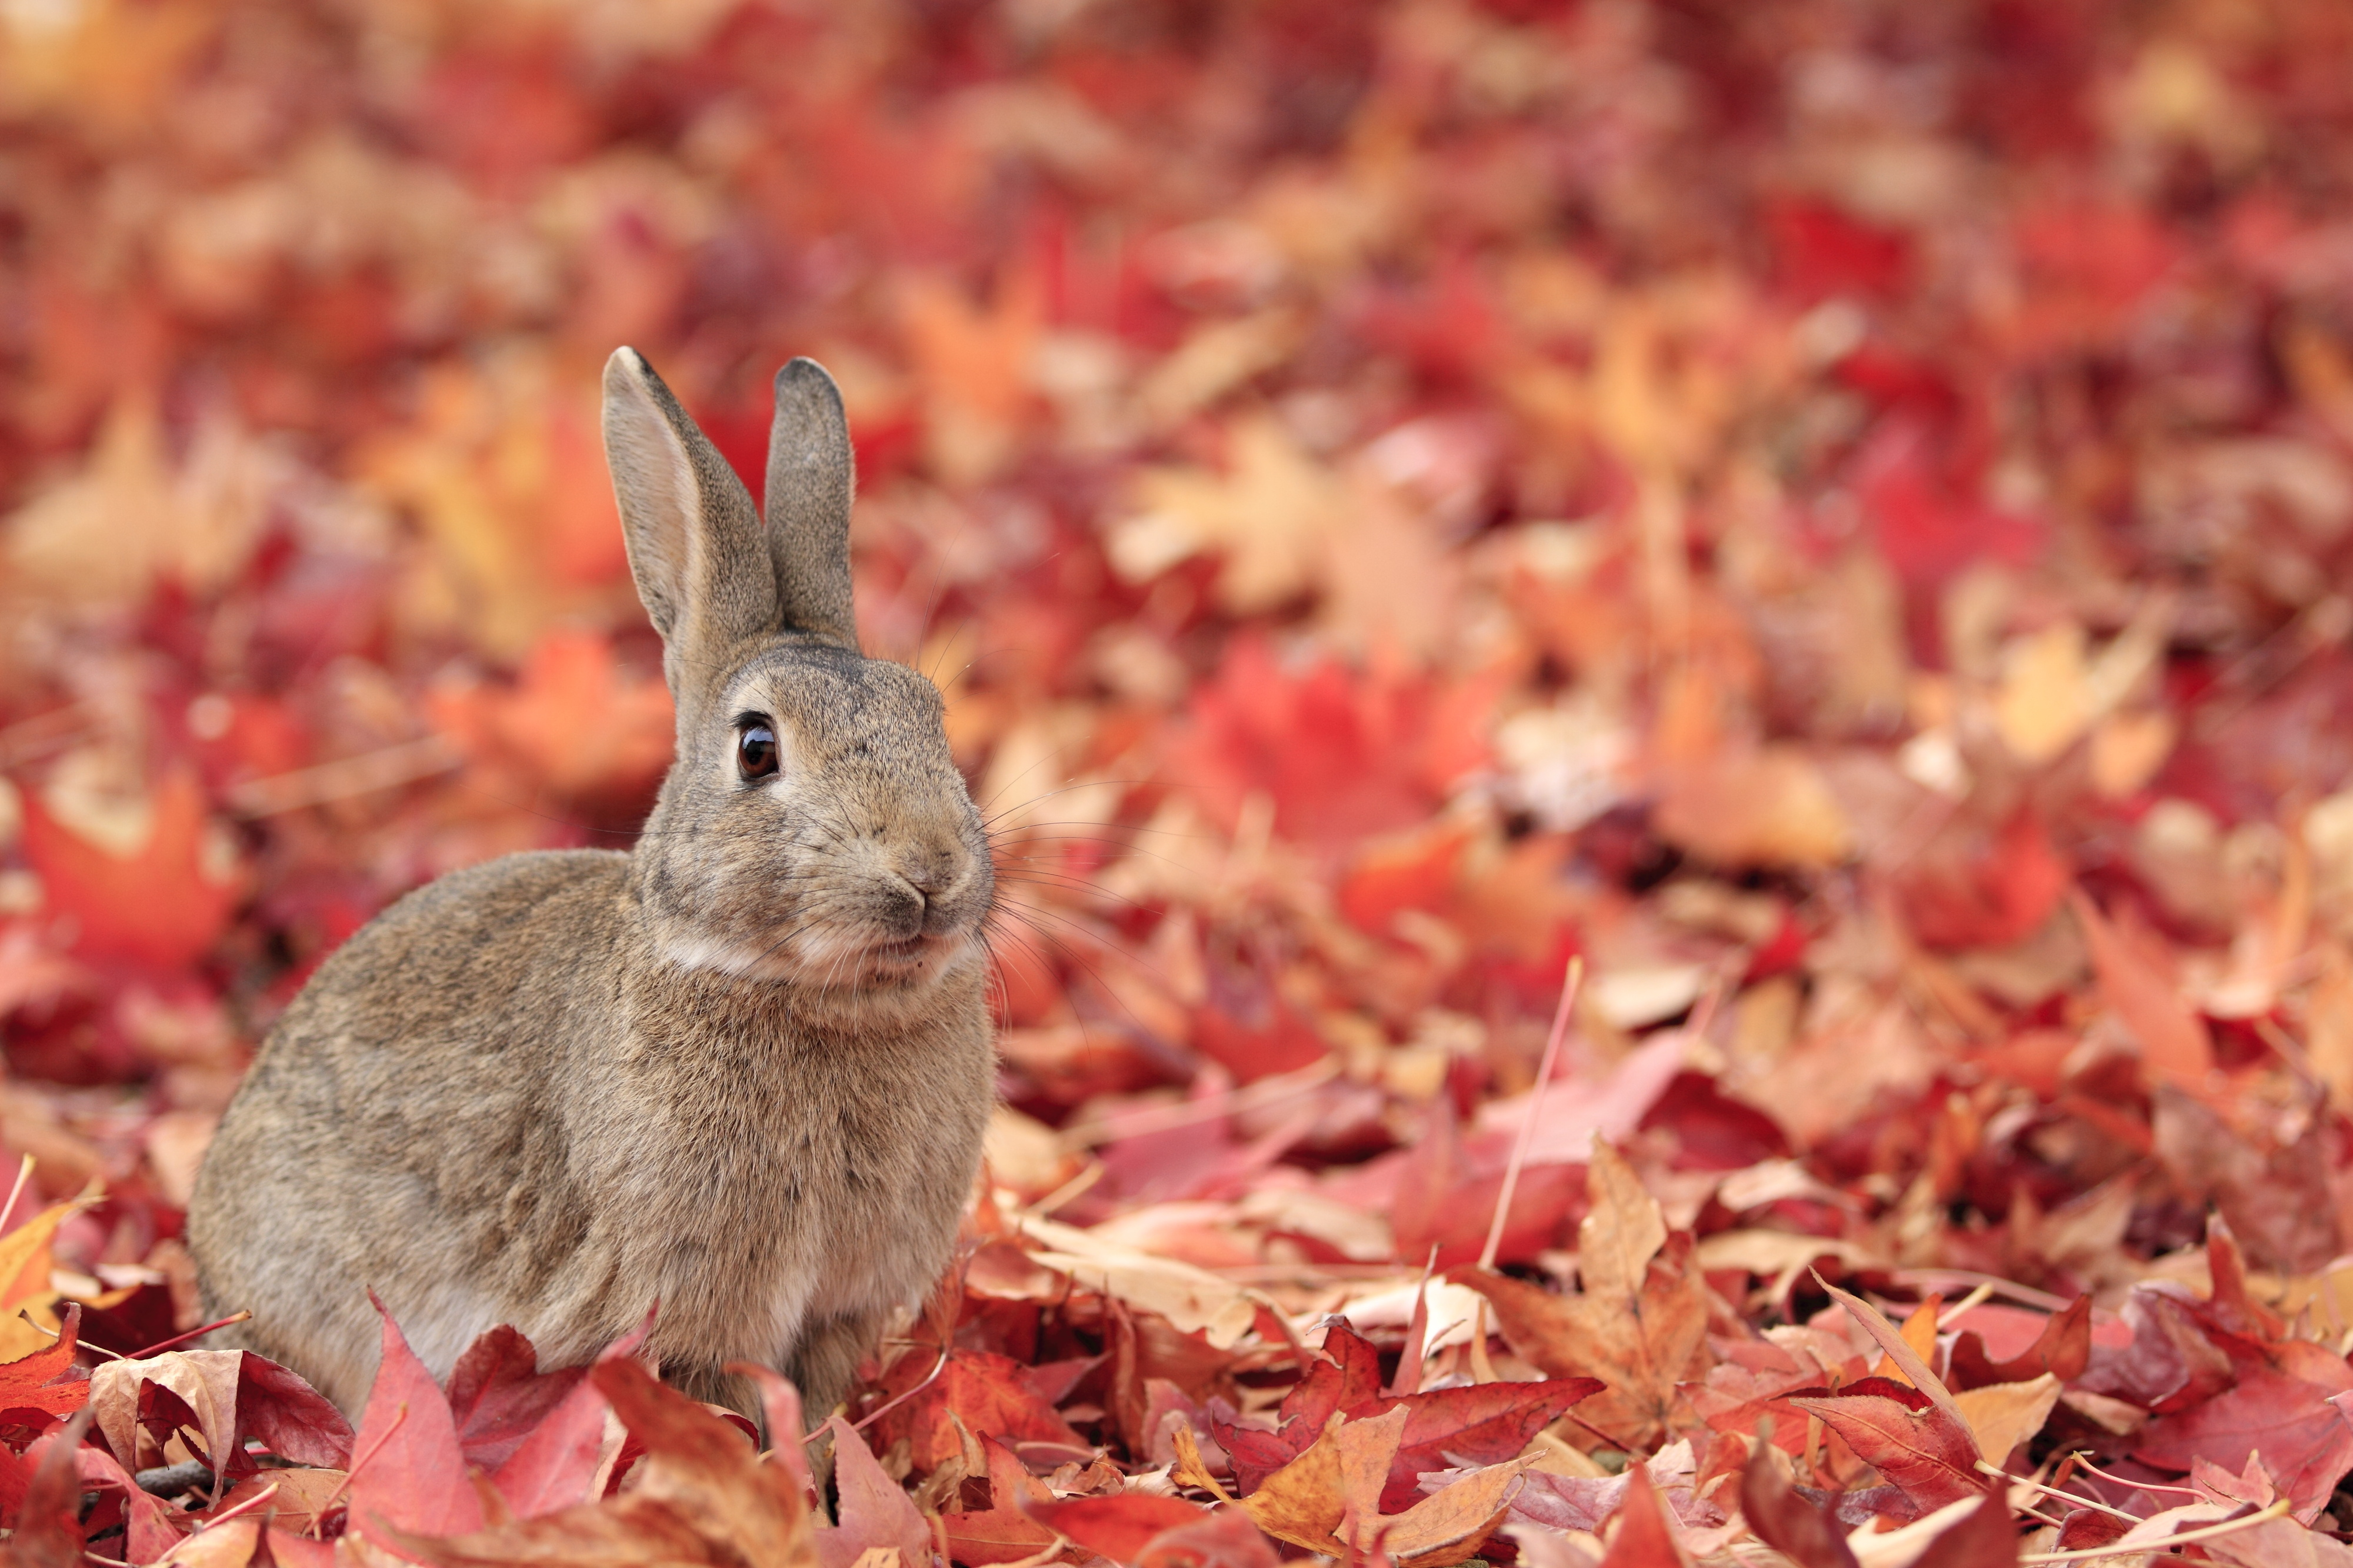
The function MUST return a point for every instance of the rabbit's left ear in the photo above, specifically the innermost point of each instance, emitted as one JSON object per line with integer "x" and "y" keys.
{"x": 695, "y": 541}
{"x": 812, "y": 472}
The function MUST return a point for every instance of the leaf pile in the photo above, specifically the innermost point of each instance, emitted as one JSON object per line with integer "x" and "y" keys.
{"x": 1837, "y": 515}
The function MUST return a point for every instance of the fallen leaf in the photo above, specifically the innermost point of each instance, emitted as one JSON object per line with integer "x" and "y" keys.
{"x": 1982, "y": 1537}
{"x": 701, "y": 1468}
{"x": 161, "y": 898}
{"x": 2063, "y": 1349}
{"x": 1003, "y": 1531}
{"x": 229, "y": 1544}
{"x": 2002, "y": 1415}
{"x": 1336, "y": 1486}
{"x": 1899, "y": 1350}
{"x": 627, "y": 1531}
{"x": 556, "y": 1463}
{"x": 407, "y": 1472}
{"x": 1481, "y": 1424}
{"x": 1924, "y": 1450}
{"x": 874, "y": 1512}
{"x": 1786, "y": 1522}
{"x": 39, "y": 1381}
{"x": 289, "y": 1417}
{"x": 204, "y": 1383}
{"x": 48, "y": 1529}
{"x": 2295, "y": 1424}
{"x": 1639, "y": 1325}
{"x": 498, "y": 1395}
{"x": 1585, "y": 1502}
{"x": 1643, "y": 1536}
{"x": 2174, "y": 1040}
{"x": 1121, "y": 1528}
{"x": 987, "y": 1392}
{"x": 1224, "y": 1538}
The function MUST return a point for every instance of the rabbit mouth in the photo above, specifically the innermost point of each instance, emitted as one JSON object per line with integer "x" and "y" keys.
{"x": 904, "y": 954}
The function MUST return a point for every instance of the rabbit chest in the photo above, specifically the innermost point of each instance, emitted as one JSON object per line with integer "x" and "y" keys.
{"x": 790, "y": 1171}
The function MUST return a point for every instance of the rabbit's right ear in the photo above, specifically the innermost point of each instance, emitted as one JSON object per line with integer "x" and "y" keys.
{"x": 696, "y": 546}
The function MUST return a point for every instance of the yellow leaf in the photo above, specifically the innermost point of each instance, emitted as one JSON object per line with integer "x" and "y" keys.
{"x": 1919, "y": 1332}
{"x": 1616, "y": 1242}
{"x": 2128, "y": 748}
{"x": 2045, "y": 702}
{"x": 2004, "y": 1414}
{"x": 25, "y": 1257}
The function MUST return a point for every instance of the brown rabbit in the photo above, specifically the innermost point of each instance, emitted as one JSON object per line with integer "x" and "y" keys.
{"x": 743, "y": 1069}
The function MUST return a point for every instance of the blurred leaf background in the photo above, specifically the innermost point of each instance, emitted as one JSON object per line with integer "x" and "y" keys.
{"x": 1808, "y": 502}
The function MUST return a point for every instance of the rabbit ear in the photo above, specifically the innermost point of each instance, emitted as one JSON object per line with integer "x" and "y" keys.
{"x": 694, "y": 539}
{"x": 811, "y": 473}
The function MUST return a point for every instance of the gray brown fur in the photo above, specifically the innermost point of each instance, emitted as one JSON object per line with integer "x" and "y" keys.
{"x": 743, "y": 1069}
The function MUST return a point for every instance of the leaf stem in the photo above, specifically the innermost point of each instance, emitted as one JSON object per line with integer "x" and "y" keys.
{"x": 177, "y": 1340}
{"x": 2083, "y": 1462}
{"x": 1989, "y": 1468}
{"x": 24, "y": 1175}
{"x": 1571, "y": 983}
{"x": 888, "y": 1405}
{"x": 2188, "y": 1537}
{"x": 255, "y": 1501}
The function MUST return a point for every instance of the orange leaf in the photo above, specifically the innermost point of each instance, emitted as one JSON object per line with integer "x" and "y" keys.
{"x": 31, "y": 1382}
{"x": 159, "y": 905}
{"x": 2174, "y": 1041}
{"x": 701, "y": 1467}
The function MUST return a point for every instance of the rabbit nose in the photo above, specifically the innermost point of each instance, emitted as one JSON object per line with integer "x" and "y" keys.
{"x": 931, "y": 875}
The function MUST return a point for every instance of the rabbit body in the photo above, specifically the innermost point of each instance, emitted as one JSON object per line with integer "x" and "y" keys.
{"x": 743, "y": 1070}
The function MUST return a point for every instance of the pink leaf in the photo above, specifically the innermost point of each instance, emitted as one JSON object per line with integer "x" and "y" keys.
{"x": 407, "y": 1470}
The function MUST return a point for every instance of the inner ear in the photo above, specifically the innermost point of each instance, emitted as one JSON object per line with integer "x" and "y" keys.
{"x": 696, "y": 546}
{"x": 654, "y": 487}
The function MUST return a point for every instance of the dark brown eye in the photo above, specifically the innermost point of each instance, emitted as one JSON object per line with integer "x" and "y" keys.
{"x": 755, "y": 750}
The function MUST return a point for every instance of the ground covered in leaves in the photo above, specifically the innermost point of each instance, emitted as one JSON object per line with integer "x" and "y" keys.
{"x": 1834, "y": 515}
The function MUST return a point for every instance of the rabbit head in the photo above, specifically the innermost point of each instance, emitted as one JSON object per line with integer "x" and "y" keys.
{"x": 813, "y": 829}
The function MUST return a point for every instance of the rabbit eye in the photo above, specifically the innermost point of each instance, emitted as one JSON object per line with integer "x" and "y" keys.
{"x": 755, "y": 750}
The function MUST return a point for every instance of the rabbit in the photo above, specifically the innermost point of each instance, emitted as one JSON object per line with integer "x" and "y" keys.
{"x": 742, "y": 1070}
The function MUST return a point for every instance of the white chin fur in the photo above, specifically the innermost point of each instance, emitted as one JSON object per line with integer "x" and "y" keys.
{"x": 824, "y": 959}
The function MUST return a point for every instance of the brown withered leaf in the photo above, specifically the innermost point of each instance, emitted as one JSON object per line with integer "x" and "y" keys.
{"x": 1304, "y": 1503}
{"x": 1451, "y": 1525}
{"x": 205, "y": 1381}
{"x": 1640, "y": 1322}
